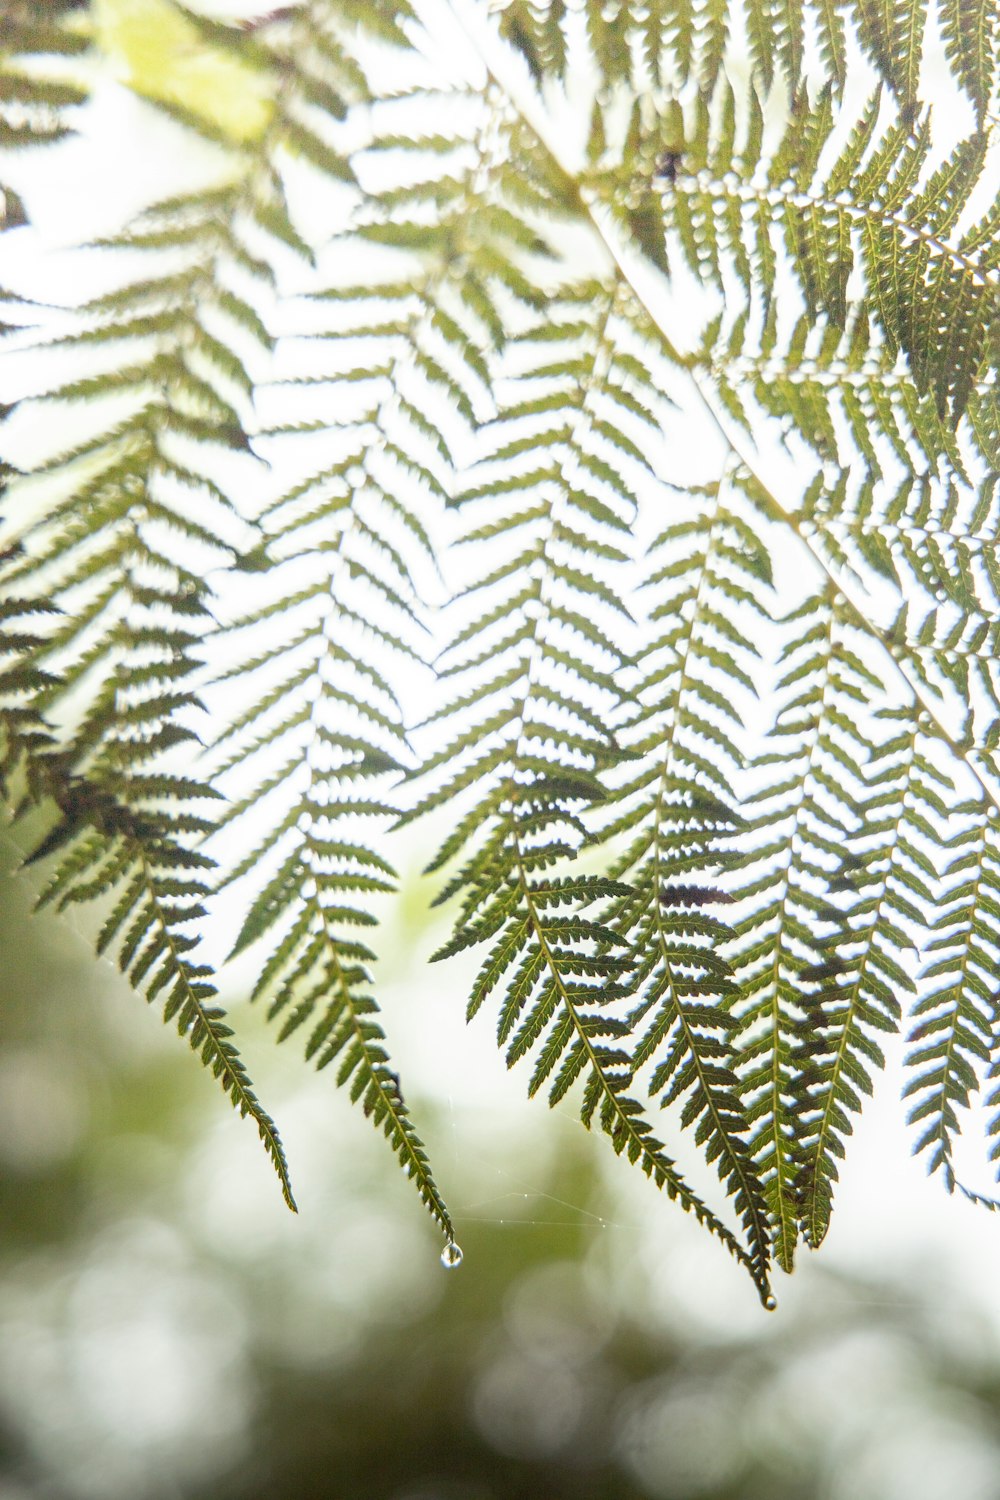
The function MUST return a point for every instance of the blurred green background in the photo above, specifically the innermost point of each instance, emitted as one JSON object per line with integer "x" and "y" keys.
{"x": 168, "y": 1329}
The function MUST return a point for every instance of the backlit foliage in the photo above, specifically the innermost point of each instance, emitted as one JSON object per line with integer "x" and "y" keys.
{"x": 695, "y": 397}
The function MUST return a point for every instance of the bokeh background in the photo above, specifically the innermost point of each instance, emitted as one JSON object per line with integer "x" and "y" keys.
{"x": 168, "y": 1329}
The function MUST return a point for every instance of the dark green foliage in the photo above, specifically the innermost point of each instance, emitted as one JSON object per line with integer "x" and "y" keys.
{"x": 755, "y": 212}
{"x": 677, "y": 809}
{"x": 701, "y": 806}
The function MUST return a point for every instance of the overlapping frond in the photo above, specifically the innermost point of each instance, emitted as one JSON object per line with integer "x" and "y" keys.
{"x": 895, "y": 499}
{"x": 677, "y": 808}
{"x": 952, "y": 1039}
{"x": 893, "y": 507}
{"x": 110, "y": 543}
{"x": 127, "y": 846}
{"x": 844, "y": 397}
{"x": 853, "y": 991}
{"x": 311, "y": 761}
{"x": 744, "y": 212}
{"x": 810, "y": 807}
{"x": 533, "y": 668}
{"x": 356, "y": 534}
{"x": 900, "y": 512}
{"x": 137, "y": 513}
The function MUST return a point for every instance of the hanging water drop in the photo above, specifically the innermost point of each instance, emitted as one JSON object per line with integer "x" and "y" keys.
{"x": 451, "y": 1256}
{"x": 770, "y": 1303}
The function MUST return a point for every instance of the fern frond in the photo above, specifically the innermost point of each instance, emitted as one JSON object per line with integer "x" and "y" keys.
{"x": 404, "y": 348}
{"x": 537, "y": 33}
{"x": 38, "y": 86}
{"x": 126, "y": 525}
{"x": 811, "y": 802}
{"x": 125, "y": 819}
{"x": 324, "y": 710}
{"x": 932, "y": 289}
{"x": 894, "y": 505}
{"x": 892, "y": 33}
{"x": 677, "y": 809}
{"x": 533, "y": 737}
{"x": 971, "y": 45}
{"x": 123, "y": 836}
{"x": 952, "y": 1038}
{"x": 847, "y": 400}
{"x": 38, "y": 89}
{"x": 876, "y": 897}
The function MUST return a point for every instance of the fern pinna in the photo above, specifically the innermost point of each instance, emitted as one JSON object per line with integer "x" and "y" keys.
{"x": 688, "y": 414}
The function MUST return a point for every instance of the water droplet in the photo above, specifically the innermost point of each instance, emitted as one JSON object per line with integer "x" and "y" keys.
{"x": 770, "y": 1303}
{"x": 451, "y": 1256}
